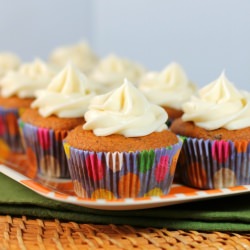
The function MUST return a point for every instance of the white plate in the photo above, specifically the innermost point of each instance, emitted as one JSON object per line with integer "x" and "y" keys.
{"x": 178, "y": 194}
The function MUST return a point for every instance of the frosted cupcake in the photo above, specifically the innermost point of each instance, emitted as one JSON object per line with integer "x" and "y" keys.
{"x": 169, "y": 88}
{"x": 124, "y": 149}
{"x": 56, "y": 110}
{"x": 16, "y": 94}
{"x": 216, "y": 123}
{"x": 8, "y": 61}
{"x": 79, "y": 54}
{"x": 112, "y": 70}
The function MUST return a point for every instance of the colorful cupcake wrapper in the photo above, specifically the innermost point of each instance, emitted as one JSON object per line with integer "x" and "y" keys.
{"x": 210, "y": 164}
{"x": 9, "y": 131}
{"x": 45, "y": 151}
{"x": 122, "y": 175}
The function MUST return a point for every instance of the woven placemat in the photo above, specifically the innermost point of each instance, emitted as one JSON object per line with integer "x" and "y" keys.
{"x": 23, "y": 233}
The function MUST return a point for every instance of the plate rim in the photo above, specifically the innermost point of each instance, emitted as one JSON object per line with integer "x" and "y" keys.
{"x": 121, "y": 204}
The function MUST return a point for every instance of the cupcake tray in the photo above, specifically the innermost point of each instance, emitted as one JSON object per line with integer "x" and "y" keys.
{"x": 62, "y": 191}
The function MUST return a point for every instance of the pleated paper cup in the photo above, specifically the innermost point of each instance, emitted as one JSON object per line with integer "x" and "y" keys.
{"x": 104, "y": 175}
{"x": 45, "y": 151}
{"x": 9, "y": 130}
{"x": 211, "y": 164}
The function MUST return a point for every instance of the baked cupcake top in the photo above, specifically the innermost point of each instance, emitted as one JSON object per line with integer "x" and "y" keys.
{"x": 124, "y": 111}
{"x": 86, "y": 140}
{"x": 111, "y": 71}
{"x": 67, "y": 96}
{"x": 8, "y": 61}
{"x": 79, "y": 54}
{"x": 29, "y": 78}
{"x": 218, "y": 105}
{"x": 170, "y": 87}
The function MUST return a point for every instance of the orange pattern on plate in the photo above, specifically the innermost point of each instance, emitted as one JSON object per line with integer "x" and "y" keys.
{"x": 182, "y": 189}
{"x": 213, "y": 191}
{"x": 238, "y": 188}
{"x": 61, "y": 195}
{"x": 36, "y": 186}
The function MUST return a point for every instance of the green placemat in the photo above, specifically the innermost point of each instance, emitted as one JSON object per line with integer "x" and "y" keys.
{"x": 231, "y": 213}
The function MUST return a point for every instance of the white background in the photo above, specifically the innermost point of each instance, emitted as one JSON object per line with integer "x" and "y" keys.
{"x": 205, "y": 37}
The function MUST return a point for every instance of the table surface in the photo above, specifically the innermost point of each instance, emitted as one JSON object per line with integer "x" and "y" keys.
{"x": 31, "y": 233}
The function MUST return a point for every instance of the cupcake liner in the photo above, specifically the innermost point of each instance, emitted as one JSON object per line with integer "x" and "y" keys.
{"x": 210, "y": 164}
{"x": 122, "y": 174}
{"x": 45, "y": 151}
{"x": 9, "y": 131}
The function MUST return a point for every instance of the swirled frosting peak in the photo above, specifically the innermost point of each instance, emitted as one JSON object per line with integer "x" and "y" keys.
{"x": 37, "y": 69}
{"x": 8, "y": 61}
{"x": 79, "y": 54}
{"x": 111, "y": 71}
{"x": 124, "y": 111}
{"x": 170, "y": 87}
{"x": 29, "y": 78}
{"x": 219, "y": 105}
{"x": 67, "y": 95}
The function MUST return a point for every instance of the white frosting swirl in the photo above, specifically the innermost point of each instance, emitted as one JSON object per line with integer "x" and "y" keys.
{"x": 112, "y": 70}
{"x": 8, "y": 61}
{"x": 68, "y": 95}
{"x": 29, "y": 78}
{"x": 79, "y": 54}
{"x": 124, "y": 111}
{"x": 170, "y": 87}
{"x": 219, "y": 105}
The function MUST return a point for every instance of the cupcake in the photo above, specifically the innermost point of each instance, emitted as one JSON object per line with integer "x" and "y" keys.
{"x": 124, "y": 149}
{"x": 56, "y": 110}
{"x": 216, "y": 124}
{"x": 111, "y": 71}
{"x": 169, "y": 88}
{"x": 79, "y": 54}
{"x": 17, "y": 91}
{"x": 8, "y": 61}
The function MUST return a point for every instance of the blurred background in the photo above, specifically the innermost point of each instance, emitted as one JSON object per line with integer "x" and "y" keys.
{"x": 205, "y": 37}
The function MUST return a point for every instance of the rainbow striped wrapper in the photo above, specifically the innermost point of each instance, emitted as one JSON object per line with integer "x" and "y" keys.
{"x": 104, "y": 175}
{"x": 45, "y": 151}
{"x": 210, "y": 164}
{"x": 9, "y": 131}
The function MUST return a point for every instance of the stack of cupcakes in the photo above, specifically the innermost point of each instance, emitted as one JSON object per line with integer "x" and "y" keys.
{"x": 110, "y": 136}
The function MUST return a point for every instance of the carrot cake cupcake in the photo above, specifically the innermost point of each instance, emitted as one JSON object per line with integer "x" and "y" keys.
{"x": 17, "y": 91}
{"x": 79, "y": 54}
{"x": 216, "y": 123}
{"x": 124, "y": 149}
{"x": 112, "y": 70}
{"x": 169, "y": 88}
{"x": 8, "y": 61}
{"x": 56, "y": 110}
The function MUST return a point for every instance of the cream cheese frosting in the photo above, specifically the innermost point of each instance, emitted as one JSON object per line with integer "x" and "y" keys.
{"x": 112, "y": 70}
{"x": 29, "y": 78}
{"x": 219, "y": 105}
{"x": 170, "y": 87}
{"x": 125, "y": 111}
{"x": 8, "y": 61}
{"x": 67, "y": 96}
{"x": 79, "y": 54}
